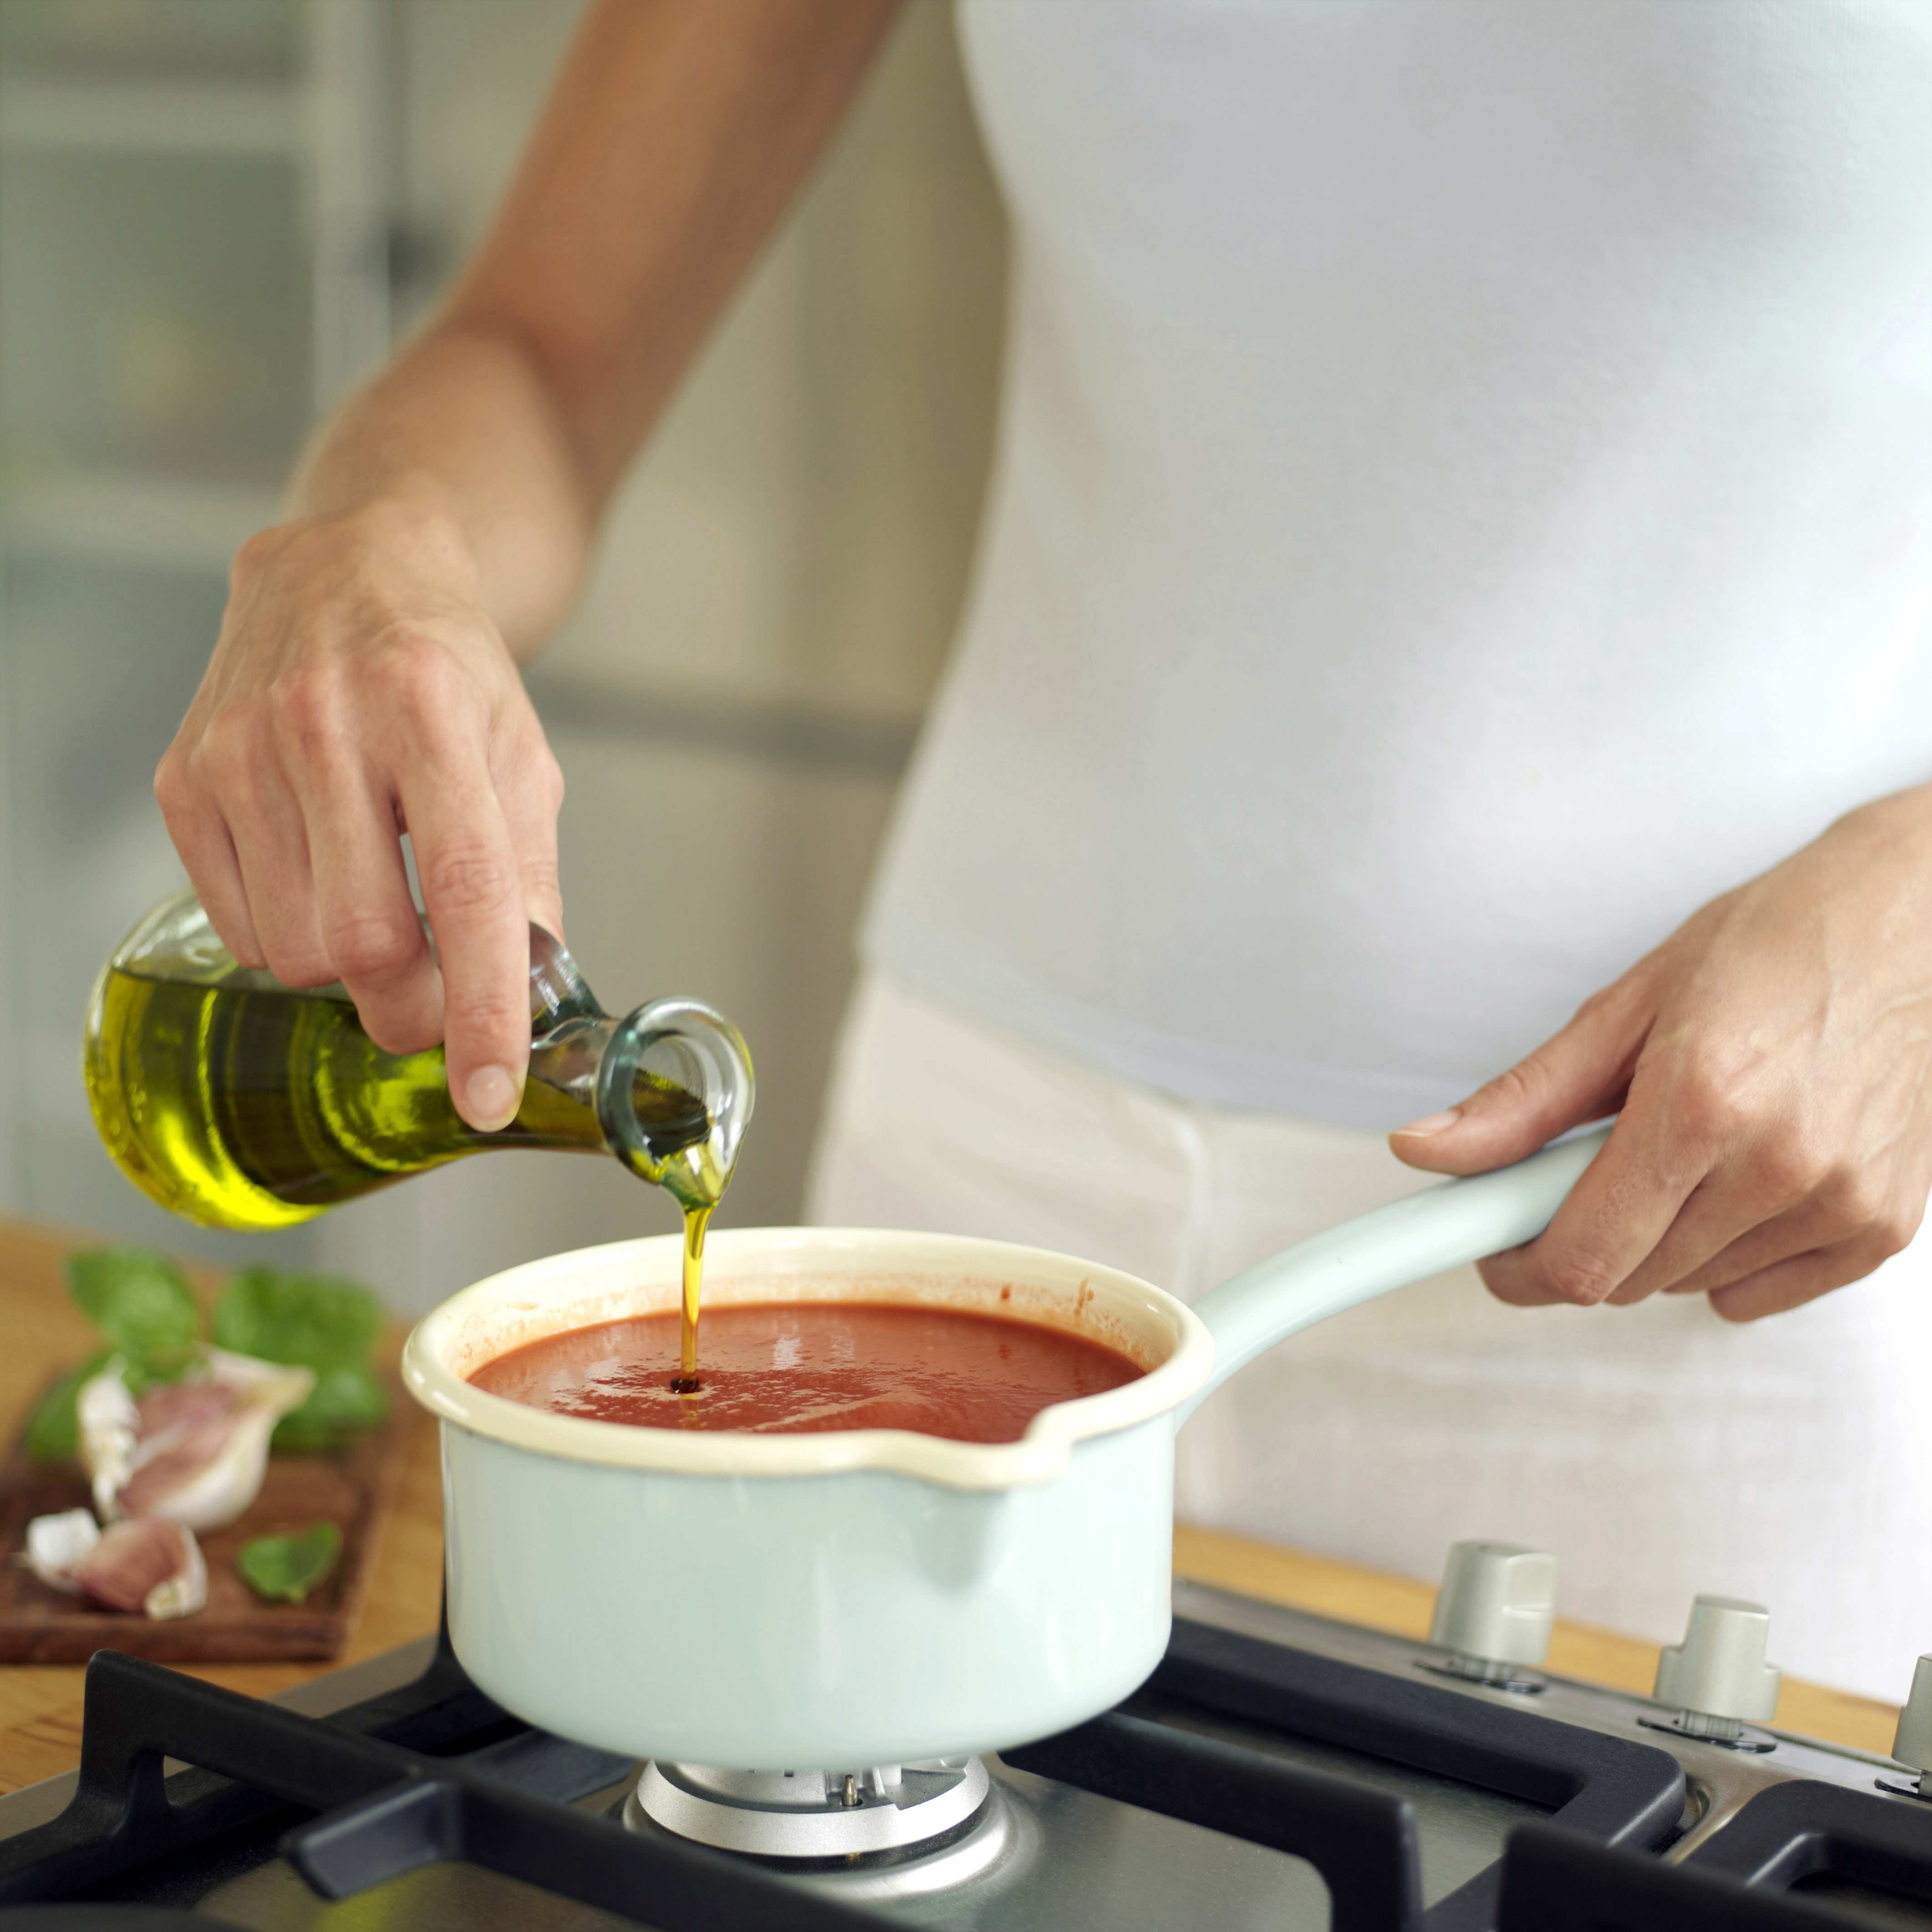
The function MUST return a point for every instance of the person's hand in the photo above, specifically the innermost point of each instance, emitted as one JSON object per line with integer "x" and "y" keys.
{"x": 359, "y": 690}
{"x": 1772, "y": 1061}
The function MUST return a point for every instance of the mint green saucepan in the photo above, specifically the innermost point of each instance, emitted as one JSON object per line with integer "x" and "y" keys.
{"x": 769, "y": 1602}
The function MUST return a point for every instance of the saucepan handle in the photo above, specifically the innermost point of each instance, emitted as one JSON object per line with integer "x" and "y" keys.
{"x": 1421, "y": 1234}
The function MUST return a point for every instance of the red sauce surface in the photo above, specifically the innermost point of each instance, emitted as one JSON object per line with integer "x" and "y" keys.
{"x": 800, "y": 1367}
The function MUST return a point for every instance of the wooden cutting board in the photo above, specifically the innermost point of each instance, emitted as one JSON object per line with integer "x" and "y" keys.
{"x": 352, "y": 1489}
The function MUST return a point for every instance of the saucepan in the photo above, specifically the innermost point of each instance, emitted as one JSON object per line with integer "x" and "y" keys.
{"x": 777, "y": 1602}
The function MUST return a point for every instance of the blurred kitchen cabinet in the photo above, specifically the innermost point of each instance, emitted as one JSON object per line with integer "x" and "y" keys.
{"x": 206, "y": 209}
{"x": 194, "y": 210}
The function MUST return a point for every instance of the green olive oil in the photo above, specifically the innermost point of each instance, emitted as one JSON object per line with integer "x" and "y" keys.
{"x": 239, "y": 1107}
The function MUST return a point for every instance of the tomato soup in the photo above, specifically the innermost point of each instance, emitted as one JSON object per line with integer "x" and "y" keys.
{"x": 799, "y": 1367}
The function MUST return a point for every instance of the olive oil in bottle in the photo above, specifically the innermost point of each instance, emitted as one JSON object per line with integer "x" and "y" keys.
{"x": 238, "y": 1102}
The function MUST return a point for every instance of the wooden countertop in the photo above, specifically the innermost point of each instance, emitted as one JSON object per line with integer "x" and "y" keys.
{"x": 40, "y": 1704}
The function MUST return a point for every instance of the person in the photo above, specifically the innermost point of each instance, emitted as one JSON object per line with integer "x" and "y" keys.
{"x": 1461, "y": 525}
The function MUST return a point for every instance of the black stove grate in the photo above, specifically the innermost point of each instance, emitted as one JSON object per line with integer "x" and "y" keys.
{"x": 436, "y": 1771}
{"x": 1802, "y": 1833}
{"x": 1553, "y": 1881}
{"x": 385, "y": 1810}
{"x": 1362, "y": 1842}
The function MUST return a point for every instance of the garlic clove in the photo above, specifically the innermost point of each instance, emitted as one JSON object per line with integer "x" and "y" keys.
{"x": 108, "y": 1425}
{"x": 208, "y": 1459}
{"x": 194, "y": 1450}
{"x": 185, "y": 1590}
{"x": 274, "y": 1384}
{"x": 55, "y": 1543}
{"x": 147, "y": 1564}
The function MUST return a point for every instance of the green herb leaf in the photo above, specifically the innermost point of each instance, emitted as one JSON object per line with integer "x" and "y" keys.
{"x": 315, "y": 1322}
{"x": 141, "y": 1302}
{"x": 343, "y": 1402}
{"x": 285, "y": 1569}
{"x": 53, "y": 1435}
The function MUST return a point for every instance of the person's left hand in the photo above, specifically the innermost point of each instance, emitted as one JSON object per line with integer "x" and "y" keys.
{"x": 1772, "y": 1062}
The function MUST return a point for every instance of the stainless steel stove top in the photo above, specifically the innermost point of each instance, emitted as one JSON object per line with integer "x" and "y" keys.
{"x": 1045, "y": 1853}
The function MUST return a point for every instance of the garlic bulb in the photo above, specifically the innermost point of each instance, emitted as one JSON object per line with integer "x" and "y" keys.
{"x": 193, "y": 1451}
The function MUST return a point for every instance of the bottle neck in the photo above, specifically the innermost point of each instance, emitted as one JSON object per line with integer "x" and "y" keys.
{"x": 669, "y": 1086}
{"x": 571, "y": 1037}
{"x": 568, "y": 1057}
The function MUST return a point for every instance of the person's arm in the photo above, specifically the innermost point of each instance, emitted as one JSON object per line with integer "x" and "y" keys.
{"x": 1772, "y": 1062}
{"x": 365, "y": 681}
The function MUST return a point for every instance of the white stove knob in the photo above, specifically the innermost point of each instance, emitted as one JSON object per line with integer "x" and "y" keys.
{"x": 1913, "y": 1744}
{"x": 1719, "y": 1670}
{"x": 1496, "y": 1603}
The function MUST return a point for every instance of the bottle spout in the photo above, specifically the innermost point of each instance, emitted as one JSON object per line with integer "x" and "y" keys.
{"x": 674, "y": 1095}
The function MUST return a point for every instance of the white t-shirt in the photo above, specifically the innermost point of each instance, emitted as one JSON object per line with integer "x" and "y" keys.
{"x": 1464, "y": 498}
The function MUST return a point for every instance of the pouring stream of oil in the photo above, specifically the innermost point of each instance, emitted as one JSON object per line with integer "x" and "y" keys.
{"x": 695, "y": 1220}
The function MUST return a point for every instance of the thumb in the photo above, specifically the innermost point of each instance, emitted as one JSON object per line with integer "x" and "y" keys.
{"x": 1578, "y": 1075}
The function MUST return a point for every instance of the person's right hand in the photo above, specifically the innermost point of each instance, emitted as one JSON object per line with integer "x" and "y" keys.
{"x": 359, "y": 690}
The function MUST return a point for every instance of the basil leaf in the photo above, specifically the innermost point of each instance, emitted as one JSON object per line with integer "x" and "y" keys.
{"x": 53, "y": 1435}
{"x": 285, "y": 1569}
{"x": 344, "y": 1401}
{"x": 315, "y": 1322}
{"x": 142, "y": 1303}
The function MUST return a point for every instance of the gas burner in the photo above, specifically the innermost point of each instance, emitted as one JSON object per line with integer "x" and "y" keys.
{"x": 887, "y": 1809}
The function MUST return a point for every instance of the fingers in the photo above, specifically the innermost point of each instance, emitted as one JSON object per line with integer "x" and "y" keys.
{"x": 1778, "y": 1237}
{"x": 354, "y": 905}
{"x": 1615, "y": 1216}
{"x": 1753, "y": 1234}
{"x": 481, "y": 795}
{"x": 368, "y": 921}
{"x": 530, "y": 785}
{"x": 467, "y": 867}
{"x": 272, "y": 851}
{"x": 310, "y": 814}
{"x": 1702, "y": 1188}
{"x": 247, "y": 851}
{"x": 1739, "y": 1218}
{"x": 1578, "y": 1075}
{"x": 200, "y": 835}
{"x": 1841, "y": 1232}
{"x": 1658, "y": 1201}
{"x": 1800, "y": 1278}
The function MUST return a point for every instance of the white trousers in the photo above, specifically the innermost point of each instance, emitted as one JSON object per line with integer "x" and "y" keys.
{"x": 1658, "y": 1451}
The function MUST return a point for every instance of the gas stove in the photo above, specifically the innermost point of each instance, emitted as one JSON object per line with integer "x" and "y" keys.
{"x": 1278, "y": 1771}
